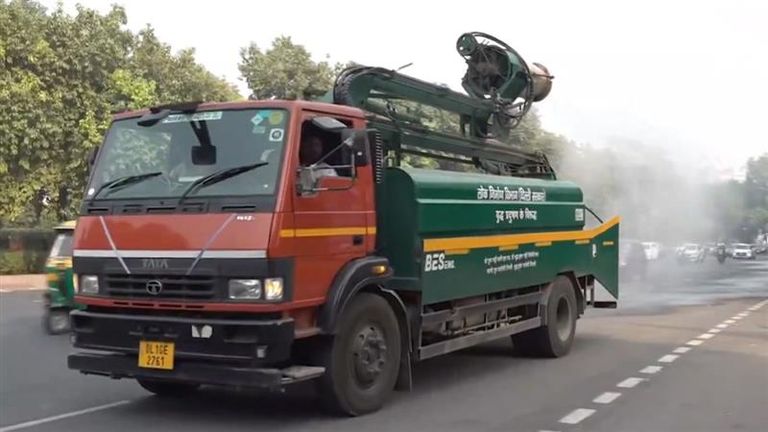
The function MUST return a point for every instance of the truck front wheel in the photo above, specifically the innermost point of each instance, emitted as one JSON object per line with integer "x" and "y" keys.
{"x": 167, "y": 388}
{"x": 362, "y": 361}
{"x": 556, "y": 337}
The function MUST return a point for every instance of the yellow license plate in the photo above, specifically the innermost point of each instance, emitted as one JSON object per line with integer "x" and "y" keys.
{"x": 156, "y": 355}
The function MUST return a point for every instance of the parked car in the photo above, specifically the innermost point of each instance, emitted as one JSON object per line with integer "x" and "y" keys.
{"x": 743, "y": 251}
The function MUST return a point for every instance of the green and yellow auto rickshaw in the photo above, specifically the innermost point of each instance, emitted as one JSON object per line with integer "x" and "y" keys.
{"x": 59, "y": 297}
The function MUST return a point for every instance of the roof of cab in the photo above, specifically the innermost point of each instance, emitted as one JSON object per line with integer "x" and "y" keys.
{"x": 68, "y": 225}
{"x": 284, "y": 104}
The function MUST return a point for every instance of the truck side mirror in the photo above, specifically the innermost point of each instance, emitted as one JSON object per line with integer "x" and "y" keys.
{"x": 357, "y": 141}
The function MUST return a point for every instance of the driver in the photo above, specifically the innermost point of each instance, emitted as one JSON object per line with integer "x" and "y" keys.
{"x": 310, "y": 152}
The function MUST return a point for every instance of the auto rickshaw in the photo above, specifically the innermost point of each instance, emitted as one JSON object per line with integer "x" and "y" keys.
{"x": 58, "y": 299}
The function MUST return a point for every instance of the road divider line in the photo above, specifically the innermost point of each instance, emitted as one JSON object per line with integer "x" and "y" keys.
{"x": 574, "y": 417}
{"x": 681, "y": 350}
{"x": 630, "y": 382}
{"x": 730, "y": 321}
{"x": 606, "y": 398}
{"x": 651, "y": 369}
{"x": 63, "y": 416}
{"x": 736, "y": 317}
{"x": 722, "y": 326}
{"x": 705, "y": 336}
{"x": 714, "y": 330}
{"x": 694, "y": 342}
{"x": 669, "y": 358}
{"x": 743, "y": 314}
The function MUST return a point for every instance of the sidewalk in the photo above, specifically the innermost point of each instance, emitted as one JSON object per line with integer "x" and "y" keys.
{"x": 22, "y": 282}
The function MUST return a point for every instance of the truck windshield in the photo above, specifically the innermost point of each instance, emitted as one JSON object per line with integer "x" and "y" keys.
{"x": 62, "y": 246}
{"x": 176, "y": 148}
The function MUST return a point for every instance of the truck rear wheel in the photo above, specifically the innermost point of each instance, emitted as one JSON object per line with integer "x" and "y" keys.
{"x": 556, "y": 337}
{"x": 167, "y": 388}
{"x": 363, "y": 359}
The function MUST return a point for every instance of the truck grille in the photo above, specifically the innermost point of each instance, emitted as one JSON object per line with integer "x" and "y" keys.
{"x": 173, "y": 286}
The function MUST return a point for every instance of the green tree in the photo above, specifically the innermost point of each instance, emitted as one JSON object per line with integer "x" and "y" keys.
{"x": 285, "y": 71}
{"x": 60, "y": 77}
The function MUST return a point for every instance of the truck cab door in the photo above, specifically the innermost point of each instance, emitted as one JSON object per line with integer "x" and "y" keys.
{"x": 334, "y": 217}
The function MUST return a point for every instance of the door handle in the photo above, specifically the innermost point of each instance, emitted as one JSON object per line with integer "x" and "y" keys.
{"x": 357, "y": 240}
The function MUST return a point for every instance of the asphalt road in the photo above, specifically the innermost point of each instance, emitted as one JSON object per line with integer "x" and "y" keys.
{"x": 687, "y": 350}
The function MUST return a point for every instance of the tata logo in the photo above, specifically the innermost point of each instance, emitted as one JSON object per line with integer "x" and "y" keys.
{"x": 154, "y": 263}
{"x": 202, "y": 332}
{"x": 154, "y": 287}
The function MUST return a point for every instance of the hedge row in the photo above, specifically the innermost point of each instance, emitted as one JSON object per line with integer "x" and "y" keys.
{"x": 24, "y": 250}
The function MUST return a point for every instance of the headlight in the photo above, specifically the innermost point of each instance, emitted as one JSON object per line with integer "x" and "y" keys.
{"x": 245, "y": 289}
{"x": 89, "y": 284}
{"x": 273, "y": 288}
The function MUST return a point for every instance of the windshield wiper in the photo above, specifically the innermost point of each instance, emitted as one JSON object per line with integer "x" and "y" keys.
{"x": 219, "y": 176}
{"x": 124, "y": 181}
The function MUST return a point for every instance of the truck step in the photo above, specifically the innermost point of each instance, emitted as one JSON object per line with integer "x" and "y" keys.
{"x": 301, "y": 373}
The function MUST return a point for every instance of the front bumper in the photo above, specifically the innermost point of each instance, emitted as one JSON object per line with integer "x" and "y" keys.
{"x": 123, "y": 366}
{"x": 222, "y": 351}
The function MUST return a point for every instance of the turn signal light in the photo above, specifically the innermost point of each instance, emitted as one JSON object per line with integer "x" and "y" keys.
{"x": 379, "y": 269}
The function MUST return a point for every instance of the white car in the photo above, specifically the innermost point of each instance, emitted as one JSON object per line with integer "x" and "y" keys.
{"x": 651, "y": 250}
{"x": 742, "y": 251}
{"x": 692, "y": 252}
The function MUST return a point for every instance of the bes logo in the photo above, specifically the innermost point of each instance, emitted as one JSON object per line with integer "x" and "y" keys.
{"x": 438, "y": 262}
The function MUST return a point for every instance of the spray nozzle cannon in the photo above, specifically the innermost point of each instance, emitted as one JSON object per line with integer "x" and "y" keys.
{"x": 495, "y": 71}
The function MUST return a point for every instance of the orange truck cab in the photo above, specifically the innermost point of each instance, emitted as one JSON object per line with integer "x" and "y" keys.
{"x": 189, "y": 271}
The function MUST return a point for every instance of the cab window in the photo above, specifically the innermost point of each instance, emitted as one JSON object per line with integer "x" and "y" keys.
{"x": 323, "y": 149}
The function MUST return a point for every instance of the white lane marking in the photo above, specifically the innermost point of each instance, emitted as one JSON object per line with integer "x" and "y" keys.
{"x": 630, "y": 382}
{"x": 681, "y": 350}
{"x": 695, "y": 342}
{"x": 575, "y": 417}
{"x": 729, "y": 321}
{"x": 736, "y": 317}
{"x": 669, "y": 358}
{"x": 651, "y": 369}
{"x": 743, "y": 314}
{"x": 714, "y": 330}
{"x": 62, "y": 416}
{"x": 722, "y": 326}
{"x": 606, "y": 398}
{"x": 705, "y": 336}
{"x": 548, "y": 431}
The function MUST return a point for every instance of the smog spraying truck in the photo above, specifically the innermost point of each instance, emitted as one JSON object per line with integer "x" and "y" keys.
{"x": 261, "y": 243}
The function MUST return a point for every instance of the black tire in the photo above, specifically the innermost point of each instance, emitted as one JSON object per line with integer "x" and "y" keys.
{"x": 167, "y": 388}
{"x": 363, "y": 360}
{"x": 56, "y": 321}
{"x": 556, "y": 338}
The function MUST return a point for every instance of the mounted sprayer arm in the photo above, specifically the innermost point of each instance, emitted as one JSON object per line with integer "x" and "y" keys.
{"x": 500, "y": 89}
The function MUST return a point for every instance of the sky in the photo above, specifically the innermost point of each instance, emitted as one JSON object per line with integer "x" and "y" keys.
{"x": 689, "y": 77}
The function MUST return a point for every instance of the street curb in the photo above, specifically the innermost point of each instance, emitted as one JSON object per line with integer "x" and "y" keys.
{"x": 27, "y": 282}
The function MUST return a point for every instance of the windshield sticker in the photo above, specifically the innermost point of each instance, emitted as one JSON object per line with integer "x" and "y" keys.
{"x": 257, "y": 119}
{"x": 201, "y": 116}
{"x": 276, "y": 135}
{"x": 275, "y": 117}
{"x": 259, "y": 130}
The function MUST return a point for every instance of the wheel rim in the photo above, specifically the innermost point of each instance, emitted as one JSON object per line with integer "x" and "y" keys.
{"x": 369, "y": 355}
{"x": 563, "y": 319}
